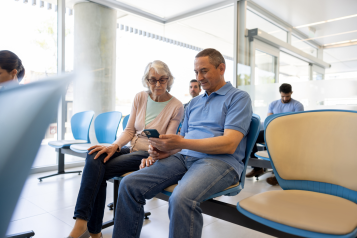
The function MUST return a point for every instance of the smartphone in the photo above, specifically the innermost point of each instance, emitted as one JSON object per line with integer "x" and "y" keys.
{"x": 152, "y": 133}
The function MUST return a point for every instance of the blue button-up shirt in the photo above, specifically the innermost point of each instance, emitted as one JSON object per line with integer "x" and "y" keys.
{"x": 208, "y": 116}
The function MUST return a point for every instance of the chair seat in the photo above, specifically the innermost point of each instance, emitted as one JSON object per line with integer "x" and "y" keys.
{"x": 306, "y": 210}
{"x": 83, "y": 148}
{"x": 65, "y": 143}
{"x": 262, "y": 155}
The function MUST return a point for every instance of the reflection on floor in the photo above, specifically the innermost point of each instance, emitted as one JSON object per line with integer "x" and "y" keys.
{"x": 46, "y": 156}
{"x": 47, "y": 209}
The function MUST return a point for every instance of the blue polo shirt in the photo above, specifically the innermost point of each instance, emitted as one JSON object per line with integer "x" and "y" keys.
{"x": 277, "y": 106}
{"x": 208, "y": 115}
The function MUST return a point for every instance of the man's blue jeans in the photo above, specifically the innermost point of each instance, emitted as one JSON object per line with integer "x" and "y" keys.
{"x": 92, "y": 194}
{"x": 197, "y": 180}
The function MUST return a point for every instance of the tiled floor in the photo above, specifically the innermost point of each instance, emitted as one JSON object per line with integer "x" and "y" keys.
{"x": 47, "y": 209}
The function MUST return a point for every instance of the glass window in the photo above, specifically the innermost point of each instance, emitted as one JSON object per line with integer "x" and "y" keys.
{"x": 141, "y": 49}
{"x": 292, "y": 69}
{"x": 255, "y": 21}
{"x": 302, "y": 45}
{"x": 265, "y": 68}
{"x": 33, "y": 37}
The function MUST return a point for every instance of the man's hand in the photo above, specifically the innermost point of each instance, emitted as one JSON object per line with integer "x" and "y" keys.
{"x": 110, "y": 150}
{"x": 156, "y": 154}
{"x": 146, "y": 162}
{"x": 166, "y": 142}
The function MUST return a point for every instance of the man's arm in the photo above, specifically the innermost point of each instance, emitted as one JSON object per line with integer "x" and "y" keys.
{"x": 225, "y": 144}
{"x": 269, "y": 114}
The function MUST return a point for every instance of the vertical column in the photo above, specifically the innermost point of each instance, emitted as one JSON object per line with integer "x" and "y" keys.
{"x": 61, "y": 11}
{"x": 94, "y": 59}
{"x": 289, "y": 36}
{"x": 240, "y": 8}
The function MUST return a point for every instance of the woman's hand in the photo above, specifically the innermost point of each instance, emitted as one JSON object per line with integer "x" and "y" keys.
{"x": 156, "y": 154}
{"x": 146, "y": 162}
{"x": 110, "y": 150}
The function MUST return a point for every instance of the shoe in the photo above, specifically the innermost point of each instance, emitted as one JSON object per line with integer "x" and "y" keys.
{"x": 272, "y": 181}
{"x": 255, "y": 172}
{"x": 84, "y": 235}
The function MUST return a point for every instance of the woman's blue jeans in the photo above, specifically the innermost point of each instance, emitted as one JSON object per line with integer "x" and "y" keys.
{"x": 197, "y": 179}
{"x": 92, "y": 194}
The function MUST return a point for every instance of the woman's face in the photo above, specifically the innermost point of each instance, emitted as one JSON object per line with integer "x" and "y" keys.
{"x": 6, "y": 76}
{"x": 157, "y": 88}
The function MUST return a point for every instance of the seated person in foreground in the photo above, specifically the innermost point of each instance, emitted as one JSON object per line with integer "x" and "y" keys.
{"x": 153, "y": 109}
{"x": 205, "y": 159}
{"x": 285, "y": 104}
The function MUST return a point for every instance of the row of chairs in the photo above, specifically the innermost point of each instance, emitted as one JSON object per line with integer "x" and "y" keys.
{"x": 105, "y": 126}
{"x": 311, "y": 155}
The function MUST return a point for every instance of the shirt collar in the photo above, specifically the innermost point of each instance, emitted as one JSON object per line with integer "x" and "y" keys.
{"x": 223, "y": 90}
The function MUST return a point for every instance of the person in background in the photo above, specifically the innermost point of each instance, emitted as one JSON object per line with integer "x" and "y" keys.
{"x": 152, "y": 109}
{"x": 285, "y": 104}
{"x": 11, "y": 68}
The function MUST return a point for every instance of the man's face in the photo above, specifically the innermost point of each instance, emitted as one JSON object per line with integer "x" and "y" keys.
{"x": 208, "y": 75}
{"x": 194, "y": 89}
{"x": 285, "y": 97}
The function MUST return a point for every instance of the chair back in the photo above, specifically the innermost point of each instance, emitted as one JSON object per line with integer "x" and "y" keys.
{"x": 26, "y": 112}
{"x": 125, "y": 121}
{"x": 252, "y": 136}
{"x": 80, "y": 124}
{"x": 106, "y": 126}
{"x": 313, "y": 150}
{"x": 178, "y": 128}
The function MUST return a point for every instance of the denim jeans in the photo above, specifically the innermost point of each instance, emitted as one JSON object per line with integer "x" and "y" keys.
{"x": 197, "y": 180}
{"x": 92, "y": 194}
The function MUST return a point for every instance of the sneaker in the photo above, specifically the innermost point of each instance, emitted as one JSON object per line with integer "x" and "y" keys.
{"x": 272, "y": 181}
{"x": 255, "y": 172}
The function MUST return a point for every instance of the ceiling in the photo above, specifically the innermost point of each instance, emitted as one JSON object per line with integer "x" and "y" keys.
{"x": 219, "y": 23}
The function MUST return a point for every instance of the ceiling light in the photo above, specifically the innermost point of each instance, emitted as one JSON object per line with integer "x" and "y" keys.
{"x": 322, "y": 22}
{"x": 337, "y": 34}
{"x": 341, "y": 42}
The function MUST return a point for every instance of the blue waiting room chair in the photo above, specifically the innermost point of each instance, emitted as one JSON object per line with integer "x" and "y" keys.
{"x": 26, "y": 112}
{"x": 80, "y": 124}
{"x": 314, "y": 162}
{"x": 106, "y": 127}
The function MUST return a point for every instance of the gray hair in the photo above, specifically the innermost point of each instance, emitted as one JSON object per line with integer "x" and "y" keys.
{"x": 215, "y": 57}
{"x": 160, "y": 68}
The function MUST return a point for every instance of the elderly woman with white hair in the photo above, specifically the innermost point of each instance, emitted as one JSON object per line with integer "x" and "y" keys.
{"x": 152, "y": 109}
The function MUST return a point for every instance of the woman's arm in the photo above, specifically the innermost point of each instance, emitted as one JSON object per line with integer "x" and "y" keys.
{"x": 175, "y": 120}
{"x": 129, "y": 132}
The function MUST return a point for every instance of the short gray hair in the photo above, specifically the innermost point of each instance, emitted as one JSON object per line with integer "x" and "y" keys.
{"x": 215, "y": 57}
{"x": 160, "y": 68}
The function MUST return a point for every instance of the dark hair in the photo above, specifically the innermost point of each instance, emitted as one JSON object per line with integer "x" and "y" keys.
{"x": 10, "y": 61}
{"x": 215, "y": 57}
{"x": 195, "y": 81}
{"x": 285, "y": 88}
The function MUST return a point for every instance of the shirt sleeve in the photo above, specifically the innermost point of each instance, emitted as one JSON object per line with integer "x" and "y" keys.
{"x": 239, "y": 114}
{"x": 299, "y": 107}
{"x": 184, "y": 126}
{"x": 175, "y": 119}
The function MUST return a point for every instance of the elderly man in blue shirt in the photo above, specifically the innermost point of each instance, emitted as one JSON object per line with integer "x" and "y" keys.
{"x": 205, "y": 159}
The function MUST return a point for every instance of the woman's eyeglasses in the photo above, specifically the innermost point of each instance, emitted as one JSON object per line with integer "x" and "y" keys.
{"x": 153, "y": 81}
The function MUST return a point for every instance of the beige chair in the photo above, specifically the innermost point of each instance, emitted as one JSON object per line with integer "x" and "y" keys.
{"x": 314, "y": 162}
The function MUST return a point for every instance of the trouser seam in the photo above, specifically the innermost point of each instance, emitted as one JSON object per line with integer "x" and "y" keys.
{"x": 213, "y": 183}
{"x": 192, "y": 218}
{"x": 162, "y": 181}
{"x": 96, "y": 184}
